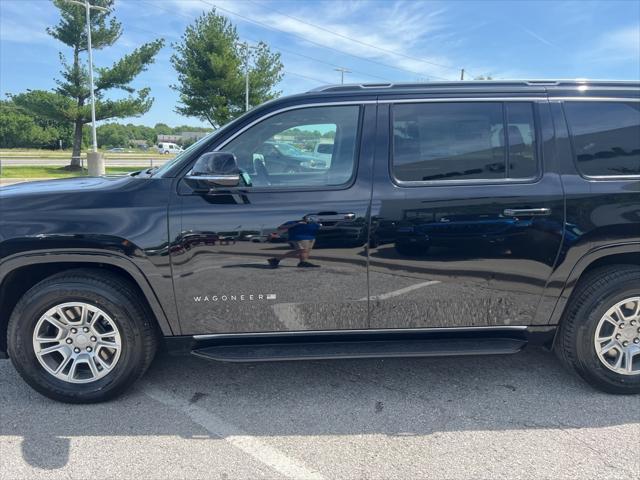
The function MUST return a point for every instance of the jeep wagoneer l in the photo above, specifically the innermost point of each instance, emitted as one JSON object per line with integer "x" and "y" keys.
{"x": 446, "y": 219}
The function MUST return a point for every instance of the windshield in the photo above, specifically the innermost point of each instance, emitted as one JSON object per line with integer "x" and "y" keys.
{"x": 167, "y": 166}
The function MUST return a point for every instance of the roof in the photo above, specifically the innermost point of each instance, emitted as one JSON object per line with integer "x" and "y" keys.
{"x": 478, "y": 85}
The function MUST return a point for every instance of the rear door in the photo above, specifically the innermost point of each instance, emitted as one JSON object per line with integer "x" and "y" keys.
{"x": 222, "y": 240}
{"x": 467, "y": 212}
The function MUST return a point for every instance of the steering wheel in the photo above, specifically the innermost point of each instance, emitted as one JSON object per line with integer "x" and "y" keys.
{"x": 261, "y": 171}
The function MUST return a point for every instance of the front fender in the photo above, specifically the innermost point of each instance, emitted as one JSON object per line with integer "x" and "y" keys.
{"x": 153, "y": 287}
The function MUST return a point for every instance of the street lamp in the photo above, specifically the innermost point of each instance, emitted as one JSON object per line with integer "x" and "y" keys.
{"x": 342, "y": 71}
{"x": 246, "y": 71}
{"x": 88, "y": 8}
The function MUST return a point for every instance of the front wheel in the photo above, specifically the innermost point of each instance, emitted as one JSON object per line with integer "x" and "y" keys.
{"x": 81, "y": 336}
{"x": 600, "y": 333}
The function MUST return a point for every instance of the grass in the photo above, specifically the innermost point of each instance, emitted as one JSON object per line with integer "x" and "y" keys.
{"x": 35, "y": 153}
{"x": 56, "y": 172}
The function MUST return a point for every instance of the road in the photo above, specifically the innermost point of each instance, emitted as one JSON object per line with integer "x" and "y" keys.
{"x": 110, "y": 161}
{"x": 512, "y": 417}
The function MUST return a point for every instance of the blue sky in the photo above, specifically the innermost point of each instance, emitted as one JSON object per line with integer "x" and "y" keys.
{"x": 376, "y": 40}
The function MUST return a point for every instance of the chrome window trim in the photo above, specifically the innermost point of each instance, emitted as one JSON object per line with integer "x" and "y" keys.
{"x": 604, "y": 178}
{"x": 595, "y": 178}
{"x": 357, "y": 331}
{"x": 474, "y": 181}
{"x": 286, "y": 109}
{"x": 594, "y": 99}
{"x": 466, "y": 99}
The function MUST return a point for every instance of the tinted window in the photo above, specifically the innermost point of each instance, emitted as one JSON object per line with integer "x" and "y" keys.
{"x": 463, "y": 141}
{"x": 606, "y": 137}
{"x": 279, "y": 151}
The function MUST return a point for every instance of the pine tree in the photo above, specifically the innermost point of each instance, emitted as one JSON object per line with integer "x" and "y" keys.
{"x": 210, "y": 62}
{"x": 71, "y": 101}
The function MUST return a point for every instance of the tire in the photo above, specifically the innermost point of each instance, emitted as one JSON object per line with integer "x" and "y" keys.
{"x": 123, "y": 318}
{"x": 575, "y": 344}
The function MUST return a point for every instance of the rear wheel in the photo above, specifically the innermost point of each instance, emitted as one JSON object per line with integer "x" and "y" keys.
{"x": 81, "y": 336}
{"x": 600, "y": 333}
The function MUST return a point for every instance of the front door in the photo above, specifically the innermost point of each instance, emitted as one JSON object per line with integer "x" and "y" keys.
{"x": 468, "y": 223}
{"x": 285, "y": 251}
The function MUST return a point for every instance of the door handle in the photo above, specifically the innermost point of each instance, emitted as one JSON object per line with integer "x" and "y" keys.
{"x": 526, "y": 212}
{"x": 333, "y": 217}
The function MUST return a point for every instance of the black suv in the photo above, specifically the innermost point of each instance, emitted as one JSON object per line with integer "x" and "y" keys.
{"x": 465, "y": 218}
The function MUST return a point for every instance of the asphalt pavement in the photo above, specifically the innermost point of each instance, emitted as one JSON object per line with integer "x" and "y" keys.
{"x": 513, "y": 417}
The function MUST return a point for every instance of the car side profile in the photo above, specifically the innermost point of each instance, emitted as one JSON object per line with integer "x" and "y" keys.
{"x": 459, "y": 218}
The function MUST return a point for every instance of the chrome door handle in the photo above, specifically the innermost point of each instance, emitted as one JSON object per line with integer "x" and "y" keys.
{"x": 526, "y": 212}
{"x": 333, "y": 217}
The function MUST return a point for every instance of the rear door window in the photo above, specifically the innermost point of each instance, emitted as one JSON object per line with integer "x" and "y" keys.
{"x": 463, "y": 141}
{"x": 606, "y": 137}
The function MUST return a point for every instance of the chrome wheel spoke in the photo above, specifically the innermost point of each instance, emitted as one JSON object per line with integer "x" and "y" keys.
{"x": 628, "y": 360}
{"x": 63, "y": 364}
{"x": 608, "y": 347}
{"x": 54, "y": 348}
{"x": 604, "y": 339}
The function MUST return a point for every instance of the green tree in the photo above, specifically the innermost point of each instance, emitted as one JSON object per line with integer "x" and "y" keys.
{"x": 73, "y": 91}
{"x": 20, "y": 128}
{"x": 210, "y": 62}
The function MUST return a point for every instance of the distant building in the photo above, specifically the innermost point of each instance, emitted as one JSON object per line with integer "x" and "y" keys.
{"x": 193, "y": 136}
{"x": 182, "y": 137}
{"x": 169, "y": 138}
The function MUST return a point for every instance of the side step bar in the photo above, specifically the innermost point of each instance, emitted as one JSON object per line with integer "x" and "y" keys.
{"x": 269, "y": 352}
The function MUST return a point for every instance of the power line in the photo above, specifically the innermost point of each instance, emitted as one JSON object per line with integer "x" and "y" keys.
{"x": 270, "y": 27}
{"x": 277, "y": 49}
{"x": 355, "y": 40}
{"x": 288, "y": 72}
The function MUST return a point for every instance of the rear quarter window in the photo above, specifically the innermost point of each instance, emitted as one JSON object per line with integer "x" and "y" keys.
{"x": 606, "y": 137}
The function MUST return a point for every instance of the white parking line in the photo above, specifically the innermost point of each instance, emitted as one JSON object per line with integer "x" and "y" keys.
{"x": 250, "y": 445}
{"x": 401, "y": 291}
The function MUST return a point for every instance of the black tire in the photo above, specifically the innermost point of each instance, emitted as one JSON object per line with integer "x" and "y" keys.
{"x": 594, "y": 295}
{"x": 105, "y": 290}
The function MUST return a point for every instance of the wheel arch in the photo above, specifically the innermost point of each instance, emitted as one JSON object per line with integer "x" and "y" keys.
{"x": 621, "y": 254}
{"x": 19, "y": 273}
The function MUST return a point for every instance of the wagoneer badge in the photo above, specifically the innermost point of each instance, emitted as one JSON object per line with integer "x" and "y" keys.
{"x": 236, "y": 298}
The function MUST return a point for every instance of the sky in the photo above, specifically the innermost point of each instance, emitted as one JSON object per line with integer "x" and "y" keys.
{"x": 377, "y": 40}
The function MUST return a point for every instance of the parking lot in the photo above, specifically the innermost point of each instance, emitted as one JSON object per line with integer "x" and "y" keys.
{"x": 519, "y": 416}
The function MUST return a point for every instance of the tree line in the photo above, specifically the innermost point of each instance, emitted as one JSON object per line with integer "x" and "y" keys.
{"x": 210, "y": 60}
{"x": 19, "y": 128}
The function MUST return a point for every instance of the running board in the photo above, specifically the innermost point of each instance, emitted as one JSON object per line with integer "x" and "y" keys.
{"x": 269, "y": 352}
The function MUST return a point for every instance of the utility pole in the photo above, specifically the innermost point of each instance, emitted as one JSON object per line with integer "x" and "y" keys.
{"x": 462, "y": 74}
{"x": 248, "y": 49}
{"x": 97, "y": 161}
{"x": 342, "y": 72}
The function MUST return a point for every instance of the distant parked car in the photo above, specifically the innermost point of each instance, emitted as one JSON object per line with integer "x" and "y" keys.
{"x": 281, "y": 157}
{"x": 116, "y": 149}
{"x": 166, "y": 148}
{"x": 324, "y": 151}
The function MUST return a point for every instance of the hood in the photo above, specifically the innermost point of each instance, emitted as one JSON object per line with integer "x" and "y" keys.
{"x": 64, "y": 185}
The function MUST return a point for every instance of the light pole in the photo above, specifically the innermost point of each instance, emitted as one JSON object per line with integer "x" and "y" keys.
{"x": 88, "y": 8}
{"x": 94, "y": 162}
{"x": 248, "y": 49}
{"x": 342, "y": 72}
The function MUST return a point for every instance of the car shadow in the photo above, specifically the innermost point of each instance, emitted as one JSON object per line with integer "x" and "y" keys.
{"x": 393, "y": 397}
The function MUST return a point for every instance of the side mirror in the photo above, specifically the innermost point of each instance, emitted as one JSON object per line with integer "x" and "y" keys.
{"x": 214, "y": 169}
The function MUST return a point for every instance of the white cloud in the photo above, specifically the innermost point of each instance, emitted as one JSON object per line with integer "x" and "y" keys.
{"x": 378, "y": 29}
{"x": 619, "y": 45}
